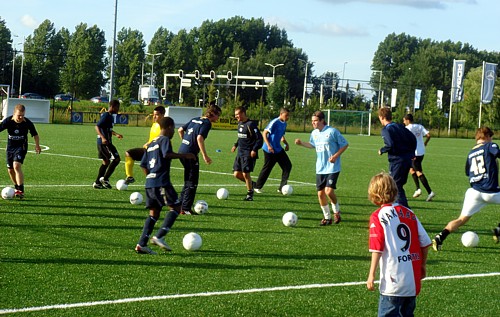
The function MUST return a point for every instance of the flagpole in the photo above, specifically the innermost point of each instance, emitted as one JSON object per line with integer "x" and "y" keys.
{"x": 451, "y": 98}
{"x": 481, "y": 97}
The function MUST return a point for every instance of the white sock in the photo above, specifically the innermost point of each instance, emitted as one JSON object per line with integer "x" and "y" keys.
{"x": 326, "y": 212}
{"x": 335, "y": 208}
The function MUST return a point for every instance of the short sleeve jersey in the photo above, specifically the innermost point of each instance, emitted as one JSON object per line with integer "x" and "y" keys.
{"x": 192, "y": 129}
{"x": 249, "y": 138}
{"x": 419, "y": 132}
{"x": 482, "y": 169}
{"x": 276, "y": 130}
{"x": 396, "y": 232}
{"x": 18, "y": 132}
{"x": 155, "y": 162}
{"x": 105, "y": 124}
{"x": 327, "y": 142}
{"x": 154, "y": 132}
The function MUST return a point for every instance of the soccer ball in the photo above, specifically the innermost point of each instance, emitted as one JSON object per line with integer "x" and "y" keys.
{"x": 200, "y": 207}
{"x": 136, "y": 198}
{"x": 290, "y": 219}
{"x": 222, "y": 193}
{"x": 287, "y": 190}
{"x": 192, "y": 241}
{"x": 121, "y": 185}
{"x": 8, "y": 193}
{"x": 470, "y": 239}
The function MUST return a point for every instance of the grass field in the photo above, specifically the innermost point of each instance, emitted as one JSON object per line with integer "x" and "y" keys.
{"x": 67, "y": 249}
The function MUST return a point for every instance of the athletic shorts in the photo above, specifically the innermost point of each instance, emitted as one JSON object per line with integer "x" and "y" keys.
{"x": 244, "y": 164}
{"x": 326, "y": 180}
{"x": 416, "y": 164}
{"x": 157, "y": 197}
{"x": 15, "y": 155}
{"x": 107, "y": 152}
{"x": 475, "y": 200}
{"x": 136, "y": 153}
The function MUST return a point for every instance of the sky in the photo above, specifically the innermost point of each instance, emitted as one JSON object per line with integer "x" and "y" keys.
{"x": 337, "y": 35}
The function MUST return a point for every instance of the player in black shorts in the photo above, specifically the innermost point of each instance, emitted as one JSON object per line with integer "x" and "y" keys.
{"x": 107, "y": 151}
{"x": 159, "y": 190}
{"x": 248, "y": 145}
{"x": 17, "y": 127}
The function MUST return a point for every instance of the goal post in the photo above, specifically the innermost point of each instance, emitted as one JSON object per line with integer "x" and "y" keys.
{"x": 350, "y": 121}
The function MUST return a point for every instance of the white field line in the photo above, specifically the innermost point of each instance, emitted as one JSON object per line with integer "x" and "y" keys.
{"x": 220, "y": 293}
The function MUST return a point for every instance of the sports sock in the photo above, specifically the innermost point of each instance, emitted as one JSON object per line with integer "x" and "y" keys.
{"x": 129, "y": 166}
{"x": 149, "y": 225}
{"x": 326, "y": 212}
{"x": 443, "y": 234}
{"x": 111, "y": 168}
{"x": 21, "y": 187}
{"x": 415, "y": 179}
{"x": 335, "y": 207}
{"x": 102, "y": 170}
{"x": 168, "y": 222}
{"x": 423, "y": 179}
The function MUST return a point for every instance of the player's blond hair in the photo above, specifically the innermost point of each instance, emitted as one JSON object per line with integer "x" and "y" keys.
{"x": 483, "y": 133}
{"x": 382, "y": 189}
{"x": 19, "y": 107}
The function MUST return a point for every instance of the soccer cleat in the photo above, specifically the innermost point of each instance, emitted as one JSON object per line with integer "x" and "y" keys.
{"x": 97, "y": 186}
{"x": 325, "y": 222}
{"x": 105, "y": 183}
{"x": 248, "y": 197}
{"x": 336, "y": 217}
{"x": 417, "y": 193}
{"x": 437, "y": 244}
{"x": 258, "y": 190}
{"x": 161, "y": 243}
{"x": 496, "y": 234}
{"x": 19, "y": 193}
{"x": 279, "y": 190}
{"x": 130, "y": 180}
{"x": 431, "y": 195}
{"x": 144, "y": 250}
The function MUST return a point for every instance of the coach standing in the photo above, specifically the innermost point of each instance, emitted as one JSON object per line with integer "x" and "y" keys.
{"x": 400, "y": 145}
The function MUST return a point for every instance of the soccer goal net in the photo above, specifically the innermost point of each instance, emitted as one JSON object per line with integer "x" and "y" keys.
{"x": 349, "y": 121}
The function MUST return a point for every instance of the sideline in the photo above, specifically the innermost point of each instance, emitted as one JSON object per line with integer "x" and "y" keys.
{"x": 234, "y": 292}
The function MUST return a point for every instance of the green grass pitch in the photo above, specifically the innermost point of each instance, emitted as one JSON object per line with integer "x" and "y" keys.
{"x": 67, "y": 249}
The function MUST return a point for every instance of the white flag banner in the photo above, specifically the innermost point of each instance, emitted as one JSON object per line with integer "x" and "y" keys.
{"x": 418, "y": 94}
{"x": 394, "y": 94}
{"x": 440, "y": 99}
{"x": 457, "y": 87}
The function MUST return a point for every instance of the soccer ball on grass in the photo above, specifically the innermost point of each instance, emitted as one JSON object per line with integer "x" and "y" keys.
{"x": 192, "y": 241}
{"x": 287, "y": 190}
{"x": 136, "y": 198}
{"x": 121, "y": 185}
{"x": 290, "y": 219}
{"x": 222, "y": 193}
{"x": 470, "y": 239}
{"x": 8, "y": 193}
{"x": 200, "y": 207}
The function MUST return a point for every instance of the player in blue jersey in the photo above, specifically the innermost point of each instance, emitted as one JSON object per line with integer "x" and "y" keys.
{"x": 482, "y": 169}
{"x": 274, "y": 153}
{"x": 400, "y": 145}
{"x": 105, "y": 148}
{"x": 193, "y": 135}
{"x": 248, "y": 145}
{"x": 159, "y": 190}
{"x": 329, "y": 144}
{"x": 17, "y": 127}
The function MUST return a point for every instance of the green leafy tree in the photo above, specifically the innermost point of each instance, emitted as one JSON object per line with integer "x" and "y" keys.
{"x": 5, "y": 52}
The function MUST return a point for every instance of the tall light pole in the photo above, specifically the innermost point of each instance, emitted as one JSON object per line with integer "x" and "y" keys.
{"x": 274, "y": 69}
{"x": 152, "y": 64}
{"x": 343, "y": 73}
{"x": 237, "y": 73}
{"x": 305, "y": 84}
{"x": 379, "y": 88}
{"x": 113, "y": 50}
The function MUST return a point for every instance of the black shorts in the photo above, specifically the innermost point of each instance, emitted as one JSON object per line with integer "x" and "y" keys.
{"x": 244, "y": 164}
{"x": 15, "y": 155}
{"x": 326, "y": 180}
{"x": 157, "y": 197}
{"x": 136, "y": 153}
{"x": 416, "y": 164}
{"x": 107, "y": 152}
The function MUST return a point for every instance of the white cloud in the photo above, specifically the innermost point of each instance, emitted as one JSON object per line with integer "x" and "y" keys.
{"x": 419, "y": 4}
{"x": 29, "y": 21}
{"x": 325, "y": 29}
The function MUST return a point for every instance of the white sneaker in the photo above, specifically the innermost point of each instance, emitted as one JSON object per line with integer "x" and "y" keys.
{"x": 431, "y": 195}
{"x": 161, "y": 243}
{"x": 417, "y": 193}
{"x": 144, "y": 250}
{"x": 257, "y": 190}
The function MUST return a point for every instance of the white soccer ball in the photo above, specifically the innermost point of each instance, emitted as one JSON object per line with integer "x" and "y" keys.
{"x": 121, "y": 185}
{"x": 287, "y": 190}
{"x": 470, "y": 239}
{"x": 200, "y": 207}
{"x": 192, "y": 241}
{"x": 222, "y": 193}
{"x": 136, "y": 198}
{"x": 8, "y": 193}
{"x": 290, "y": 219}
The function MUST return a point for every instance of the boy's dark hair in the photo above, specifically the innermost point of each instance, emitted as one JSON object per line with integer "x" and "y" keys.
{"x": 319, "y": 114}
{"x": 385, "y": 113}
{"x": 409, "y": 117}
{"x": 160, "y": 109}
{"x": 241, "y": 109}
{"x": 114, "y": 103}
{"x": 213, "y": 110}
{"x": 166, "y": 122}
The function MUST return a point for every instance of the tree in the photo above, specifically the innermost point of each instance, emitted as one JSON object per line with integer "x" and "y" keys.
{"x": 5, "y": 53}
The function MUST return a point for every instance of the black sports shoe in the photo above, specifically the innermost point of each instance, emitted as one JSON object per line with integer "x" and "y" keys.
{"x": 130, "y": 180}
{"x": 496, "y": 234}
{"x": 105, "y": 183}
{"x": 97, "y": 186}
{"x": 437, "y": 244}
{"x": 248, "y": 198}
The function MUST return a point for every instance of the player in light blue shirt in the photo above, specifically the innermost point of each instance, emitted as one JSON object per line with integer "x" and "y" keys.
{"x": 329, "y": 144}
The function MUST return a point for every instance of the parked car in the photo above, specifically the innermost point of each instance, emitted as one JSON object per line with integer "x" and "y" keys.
{"x": 99, "y": 99}
{"x": 63, "y": 97}
{"x": 31, "y": 95}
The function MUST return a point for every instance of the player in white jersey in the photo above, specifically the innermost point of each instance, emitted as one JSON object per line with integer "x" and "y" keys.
{"x": 416, "y": 171}
{"x": 329, "y": 144}
{"x": 399, "y": 244}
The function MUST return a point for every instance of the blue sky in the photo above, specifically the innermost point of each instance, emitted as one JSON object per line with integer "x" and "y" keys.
{"x": 331, "y": 32}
